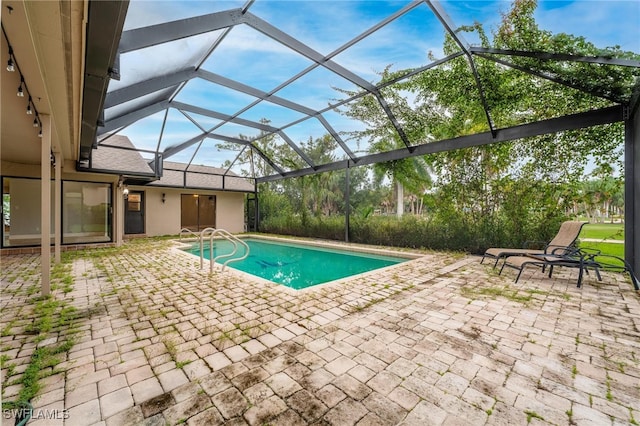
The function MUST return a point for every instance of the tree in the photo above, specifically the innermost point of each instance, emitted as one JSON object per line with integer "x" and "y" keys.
{"x": 412, "y": 173}
{"x": 481, "y": 181}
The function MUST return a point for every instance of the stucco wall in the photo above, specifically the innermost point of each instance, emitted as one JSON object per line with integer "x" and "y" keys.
{"x": 164, "y": 218}
{"x": 230, "y": 211}
{"x": 161, "y": 218}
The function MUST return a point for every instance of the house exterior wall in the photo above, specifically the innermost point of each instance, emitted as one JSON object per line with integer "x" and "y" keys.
{"x": 230, "y": 211}
{"x": 161, "y": 218}
{"x": 165, "y": 219}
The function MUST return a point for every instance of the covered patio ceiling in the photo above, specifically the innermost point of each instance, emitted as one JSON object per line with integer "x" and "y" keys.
{"x": 198, "y": 82}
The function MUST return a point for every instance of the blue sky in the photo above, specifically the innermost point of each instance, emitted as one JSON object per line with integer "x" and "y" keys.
{"x": 251, "y": 58}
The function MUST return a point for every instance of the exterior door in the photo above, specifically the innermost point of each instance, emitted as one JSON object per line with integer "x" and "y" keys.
{"x": 198, "y": 211}
{"x": 134, "y": 213}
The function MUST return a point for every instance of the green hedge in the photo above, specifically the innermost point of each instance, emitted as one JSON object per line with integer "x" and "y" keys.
{"x": 453, "y": 231}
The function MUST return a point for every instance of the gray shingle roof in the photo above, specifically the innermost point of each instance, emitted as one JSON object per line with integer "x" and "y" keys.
{"x": 129, "y": 161}
{"x": 120, "y": 160}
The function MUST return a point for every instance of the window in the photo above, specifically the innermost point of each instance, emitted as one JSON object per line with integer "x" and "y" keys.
{"x": 86, "y": 212}
{"x": 134, "y": 202}
{"x": 21, "y": 207}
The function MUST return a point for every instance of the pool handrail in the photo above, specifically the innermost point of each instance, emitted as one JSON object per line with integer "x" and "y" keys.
{"x": 202, "y": 234}
{"x": 212, "y": 260}
{"x": 189, "y": 231}
{"x": 227, "y": 236}
{"x": 234, "y": 240}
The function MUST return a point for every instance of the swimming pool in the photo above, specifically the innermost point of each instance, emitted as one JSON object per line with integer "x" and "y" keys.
{"x": 295, "y": 265}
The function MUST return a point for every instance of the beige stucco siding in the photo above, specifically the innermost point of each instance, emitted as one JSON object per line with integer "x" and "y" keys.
{"x": 230, "y": 211}
{"x": 164, "y": 218}
{"x": 160, "y": 218}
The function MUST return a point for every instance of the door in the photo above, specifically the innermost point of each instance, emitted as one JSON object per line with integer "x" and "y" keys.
{"x": 134, "y": 213}
{"x": 198, "y": 211}
{"x": 206, "y": 211}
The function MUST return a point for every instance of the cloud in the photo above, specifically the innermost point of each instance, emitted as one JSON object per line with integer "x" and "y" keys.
{"x": 604, "y": 23}
{"x": 254, "y": 59}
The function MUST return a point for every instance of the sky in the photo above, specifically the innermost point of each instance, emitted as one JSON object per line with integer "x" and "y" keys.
{"x": 251, "y": 58}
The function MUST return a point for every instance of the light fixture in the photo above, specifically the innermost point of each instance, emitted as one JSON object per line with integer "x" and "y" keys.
{"x": 35, "y": 122}
{"x": 29, "y": 110}
{"x": 10, "y": 65}
{"x": 164, "y": 197}
{"x": 125, "y": 191}
{"x": 20, "y": 90}
{"x": 40, "y": 133}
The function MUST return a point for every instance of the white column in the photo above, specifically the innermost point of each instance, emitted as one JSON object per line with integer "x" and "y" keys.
{"x": 400, "y": 200}
{"x": 45, "y": 194}
{"x": 58, "y": 205}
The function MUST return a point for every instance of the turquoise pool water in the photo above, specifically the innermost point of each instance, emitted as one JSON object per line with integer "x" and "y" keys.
{"x": 297, "y": 266}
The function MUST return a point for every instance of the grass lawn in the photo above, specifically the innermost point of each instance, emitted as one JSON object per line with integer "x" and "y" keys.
{"x": 613, "y": 249}
{"x": 603, "y": 231}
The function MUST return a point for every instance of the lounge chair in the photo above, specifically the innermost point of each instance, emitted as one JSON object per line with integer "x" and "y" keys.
{"x": 583, "y": 259}
{"x": 566, "y": 237}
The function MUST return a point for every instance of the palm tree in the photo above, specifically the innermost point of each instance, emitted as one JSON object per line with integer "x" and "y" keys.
{"x": 411, "y": 173}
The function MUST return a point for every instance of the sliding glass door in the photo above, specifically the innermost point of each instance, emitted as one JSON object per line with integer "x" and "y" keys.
{"x": 198, "y": 212}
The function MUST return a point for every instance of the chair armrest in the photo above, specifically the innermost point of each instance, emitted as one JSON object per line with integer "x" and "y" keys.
{"x": 573, "y": 254}
{"x": 621, "y": 266}
{"x": 557, "y": 250}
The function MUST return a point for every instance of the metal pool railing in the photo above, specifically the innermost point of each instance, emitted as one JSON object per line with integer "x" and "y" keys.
{"x": 235, "y": 241}
{"x": 184, "y": 231}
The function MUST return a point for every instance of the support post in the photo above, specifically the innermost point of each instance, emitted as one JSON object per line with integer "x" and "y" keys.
{"x": 347, "y": 209}
{"x": 58, "y": 206}
{"x": 632, "y": 191}
{"x": 45, "y": 204}
{"x": 256, "y": 206}
{"x": 119, "y": 209}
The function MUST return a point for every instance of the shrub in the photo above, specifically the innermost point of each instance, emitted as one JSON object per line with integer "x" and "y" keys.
{"x": 452, "y": 230}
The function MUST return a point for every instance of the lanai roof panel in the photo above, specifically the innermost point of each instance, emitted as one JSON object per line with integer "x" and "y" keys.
{"x": 263, "y": 66}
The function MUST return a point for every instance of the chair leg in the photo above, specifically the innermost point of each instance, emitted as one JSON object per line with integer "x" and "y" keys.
{"x": 482, "y": 260}
{"x": 580, "y": 276}
{"x": 550, "y": 270}
{"x": 634, "y": 279}
{"x": 520, "y": 272}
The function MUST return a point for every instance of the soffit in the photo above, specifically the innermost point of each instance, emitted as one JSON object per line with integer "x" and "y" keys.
{"x": 46, "y": 41}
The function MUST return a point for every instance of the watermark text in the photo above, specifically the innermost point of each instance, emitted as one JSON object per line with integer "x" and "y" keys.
{"x": 37, "y": 413}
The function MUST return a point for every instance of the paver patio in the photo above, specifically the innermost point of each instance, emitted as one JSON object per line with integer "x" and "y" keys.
{"x": 436, "y": 340}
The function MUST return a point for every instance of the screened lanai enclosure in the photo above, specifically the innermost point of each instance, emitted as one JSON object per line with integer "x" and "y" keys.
{"x": 234, "y": 85}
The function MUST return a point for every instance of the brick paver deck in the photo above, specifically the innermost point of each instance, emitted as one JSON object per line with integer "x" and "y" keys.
{"x": 436, "y": 340}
